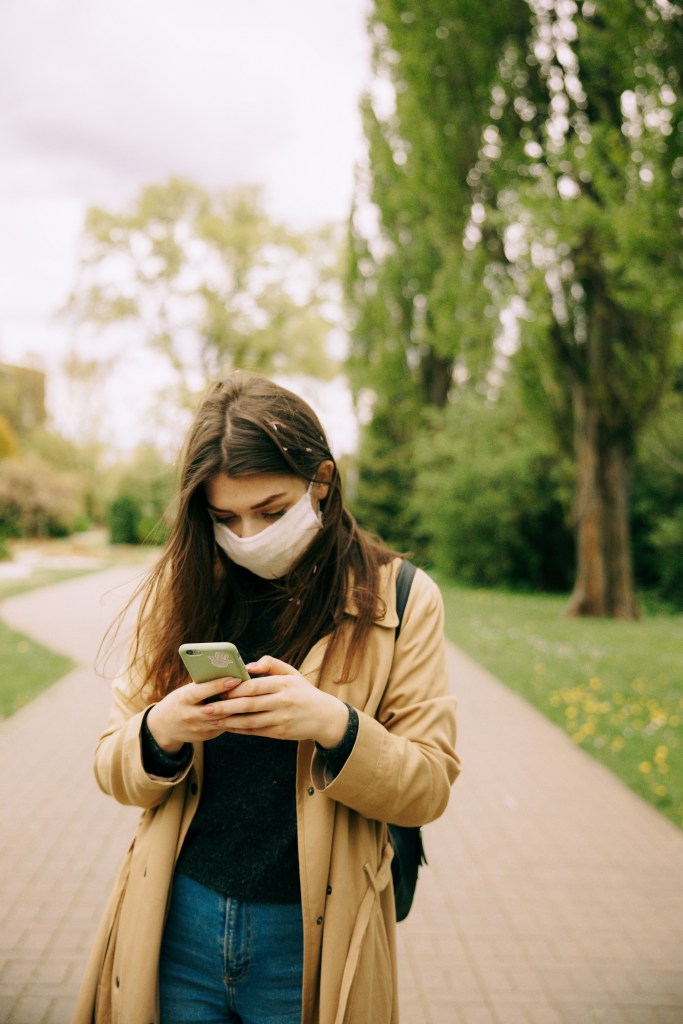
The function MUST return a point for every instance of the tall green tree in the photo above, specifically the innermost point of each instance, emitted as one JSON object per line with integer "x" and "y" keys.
{"x": 534, "y": 151}
{"x": 208, "y": 281}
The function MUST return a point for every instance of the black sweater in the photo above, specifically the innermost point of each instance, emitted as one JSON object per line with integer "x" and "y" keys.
{"x": 242, "y": 842}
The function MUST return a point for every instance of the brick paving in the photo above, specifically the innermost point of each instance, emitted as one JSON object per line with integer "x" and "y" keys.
{"x": 553, "y": 895}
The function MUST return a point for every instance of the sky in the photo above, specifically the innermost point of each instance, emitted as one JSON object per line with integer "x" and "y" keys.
{"x": 99, "y": 99}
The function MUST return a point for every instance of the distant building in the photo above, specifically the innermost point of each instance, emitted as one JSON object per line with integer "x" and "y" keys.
{"x": 22, "y": 397}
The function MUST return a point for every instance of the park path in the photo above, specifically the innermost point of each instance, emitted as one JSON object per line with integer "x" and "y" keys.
{"x": 553, "y": 894}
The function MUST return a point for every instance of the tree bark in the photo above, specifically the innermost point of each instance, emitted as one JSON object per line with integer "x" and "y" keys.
{"x": 436, "y": 377}
{"x": 604, "y": 572}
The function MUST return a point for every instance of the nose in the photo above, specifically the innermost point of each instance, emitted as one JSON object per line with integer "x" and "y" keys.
{"x": 249, "y": 527}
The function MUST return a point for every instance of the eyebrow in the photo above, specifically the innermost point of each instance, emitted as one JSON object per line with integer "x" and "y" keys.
{"x": 254, "y": 508}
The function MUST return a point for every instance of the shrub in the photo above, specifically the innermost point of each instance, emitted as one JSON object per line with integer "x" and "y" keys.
{"x": 667, "y": 541}
{"x": 142, "y": 493}
{"x": 37, "y": 500}
{"x": 123, "y": 517}
{"x": 491, "y": 495}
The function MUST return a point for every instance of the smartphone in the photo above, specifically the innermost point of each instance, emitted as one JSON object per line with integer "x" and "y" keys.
{"x": 212, "y": 661}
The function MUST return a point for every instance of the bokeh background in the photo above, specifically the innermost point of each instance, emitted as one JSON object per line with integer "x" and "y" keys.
{"x": 455, "y": 229}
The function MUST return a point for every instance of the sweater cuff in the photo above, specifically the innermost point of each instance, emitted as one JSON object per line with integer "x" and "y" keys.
{"x": 336, "y": 757}
{"x": 158, "y": 762}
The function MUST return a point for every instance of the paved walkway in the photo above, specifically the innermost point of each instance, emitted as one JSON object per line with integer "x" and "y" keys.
{"x": 553, "y": 895}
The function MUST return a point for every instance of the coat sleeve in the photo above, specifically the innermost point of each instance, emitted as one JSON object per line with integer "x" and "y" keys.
{"x": 118, "y": 757}
{"x": 403, "y": 762}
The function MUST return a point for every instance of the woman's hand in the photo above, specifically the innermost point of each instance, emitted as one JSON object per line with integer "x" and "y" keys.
{"x": 181, "y": 716}
{"x": 280, "y": 703}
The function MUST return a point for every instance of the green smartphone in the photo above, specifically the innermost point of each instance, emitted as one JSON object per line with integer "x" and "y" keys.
{"x": 209, "y": 661}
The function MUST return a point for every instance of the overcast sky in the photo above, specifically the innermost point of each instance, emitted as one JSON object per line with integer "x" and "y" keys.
{"x": 98, "y": 99}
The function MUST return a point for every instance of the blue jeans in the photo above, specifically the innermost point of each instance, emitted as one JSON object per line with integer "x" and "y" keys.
{"x": 224, "y": 961}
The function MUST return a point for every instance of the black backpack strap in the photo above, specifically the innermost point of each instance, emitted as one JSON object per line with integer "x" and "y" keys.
{"x": 404, "y": 580}
{"x": 409, "y": 852}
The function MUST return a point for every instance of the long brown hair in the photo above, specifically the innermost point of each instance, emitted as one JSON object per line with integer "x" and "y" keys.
{"x": 248, "y": 424}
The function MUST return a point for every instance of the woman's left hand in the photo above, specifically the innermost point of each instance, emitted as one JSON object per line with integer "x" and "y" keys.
{"x": 282, "y": 704}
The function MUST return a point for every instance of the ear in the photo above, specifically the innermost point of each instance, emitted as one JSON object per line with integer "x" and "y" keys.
{"x": 324, "y": 475}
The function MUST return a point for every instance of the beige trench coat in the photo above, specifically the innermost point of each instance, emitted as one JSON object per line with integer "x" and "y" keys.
{"x": 400, "y": 770}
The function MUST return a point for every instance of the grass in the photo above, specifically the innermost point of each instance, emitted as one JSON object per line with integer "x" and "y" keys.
{"x": 27, "y": 669}
{"x": 39, "y": 578}
{"x": 616, "y": 688}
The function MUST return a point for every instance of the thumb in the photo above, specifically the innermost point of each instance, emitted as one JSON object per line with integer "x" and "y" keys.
{"x": 270, "y": 666}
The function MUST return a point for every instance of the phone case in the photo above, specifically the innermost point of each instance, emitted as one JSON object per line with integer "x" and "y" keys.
{"x": 212, "y": 661}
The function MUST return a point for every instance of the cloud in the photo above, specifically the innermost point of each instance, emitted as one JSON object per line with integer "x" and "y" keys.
{"x": 117, "y": 94}
{"x": 98, "y": 99}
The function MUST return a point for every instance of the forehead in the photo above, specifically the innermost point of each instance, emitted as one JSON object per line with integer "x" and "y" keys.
{"x": 242, "y": 492}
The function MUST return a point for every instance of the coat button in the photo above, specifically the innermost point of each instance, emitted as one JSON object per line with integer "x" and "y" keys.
{"x": 311, "y": 791}
{"x": 319, "y": 921}
{"x": 329, "y": 890}
{"x": 194, "y": 789}
{"x": 118, "y": 983}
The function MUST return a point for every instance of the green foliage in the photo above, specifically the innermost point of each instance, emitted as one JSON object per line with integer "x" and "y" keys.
{"x": 385, "y": 473}
{"x": 526, "y": 173}
{"x": 667, "y": 541}
{"x": 57, "y": 450}
{"x": 142, "y": 492}
{"x": 123, "y": 517}
{"x": 37, "y": 500}
{"x": 208, "y": 282}
{"x": 492, "y": 495}
{"x": 657, "y": 521}
{"x": 22, "y": 398}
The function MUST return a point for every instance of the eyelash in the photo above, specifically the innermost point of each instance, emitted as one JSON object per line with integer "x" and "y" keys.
{"x": 270, "y": 516}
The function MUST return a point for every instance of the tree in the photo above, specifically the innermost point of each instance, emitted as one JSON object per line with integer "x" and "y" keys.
{"x": 536, "y": 156}
{"x": 37, "y": 500}
{"x": 492, "y": 513}
{"x": 207, "y": 281}
{"x": 22, "y": 398}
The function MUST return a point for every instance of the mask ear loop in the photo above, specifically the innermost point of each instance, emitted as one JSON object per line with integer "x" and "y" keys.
{"x": 317, "y": 512}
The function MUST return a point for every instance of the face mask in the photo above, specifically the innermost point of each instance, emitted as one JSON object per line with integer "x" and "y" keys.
{"x": 272, "y": 552}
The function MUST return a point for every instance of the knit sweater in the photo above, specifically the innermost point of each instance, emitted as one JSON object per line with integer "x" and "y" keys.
{"x": 242, "y": 842}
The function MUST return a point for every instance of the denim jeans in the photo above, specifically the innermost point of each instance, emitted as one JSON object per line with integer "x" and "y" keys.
{"x": 224, "y": 961}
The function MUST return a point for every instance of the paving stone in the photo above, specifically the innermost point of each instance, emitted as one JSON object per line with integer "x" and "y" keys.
{"x": 29, "y": 1009}
{"x": 552, "y": 893}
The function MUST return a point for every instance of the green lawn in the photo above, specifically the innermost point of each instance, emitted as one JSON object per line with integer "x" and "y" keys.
{"x": 27, "y": 668}
{"x": 42, "y": 577}
{"x": 615, "y": 687}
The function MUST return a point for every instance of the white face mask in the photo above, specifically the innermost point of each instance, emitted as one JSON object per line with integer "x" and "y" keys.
{"x": 272, "y": 552}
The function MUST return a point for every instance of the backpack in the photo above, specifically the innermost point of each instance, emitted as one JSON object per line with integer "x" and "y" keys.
{"x": 409, "y": 852}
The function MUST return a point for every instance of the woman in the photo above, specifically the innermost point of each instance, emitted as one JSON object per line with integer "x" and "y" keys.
{"x": 258, "y": 885}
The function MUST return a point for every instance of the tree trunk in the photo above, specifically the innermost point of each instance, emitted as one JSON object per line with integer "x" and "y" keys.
{"x": 437, "y": 378}
{"x": 604, "y": 572}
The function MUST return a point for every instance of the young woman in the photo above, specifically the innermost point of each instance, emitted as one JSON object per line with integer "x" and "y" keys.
{"x": 258, "y": 885}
